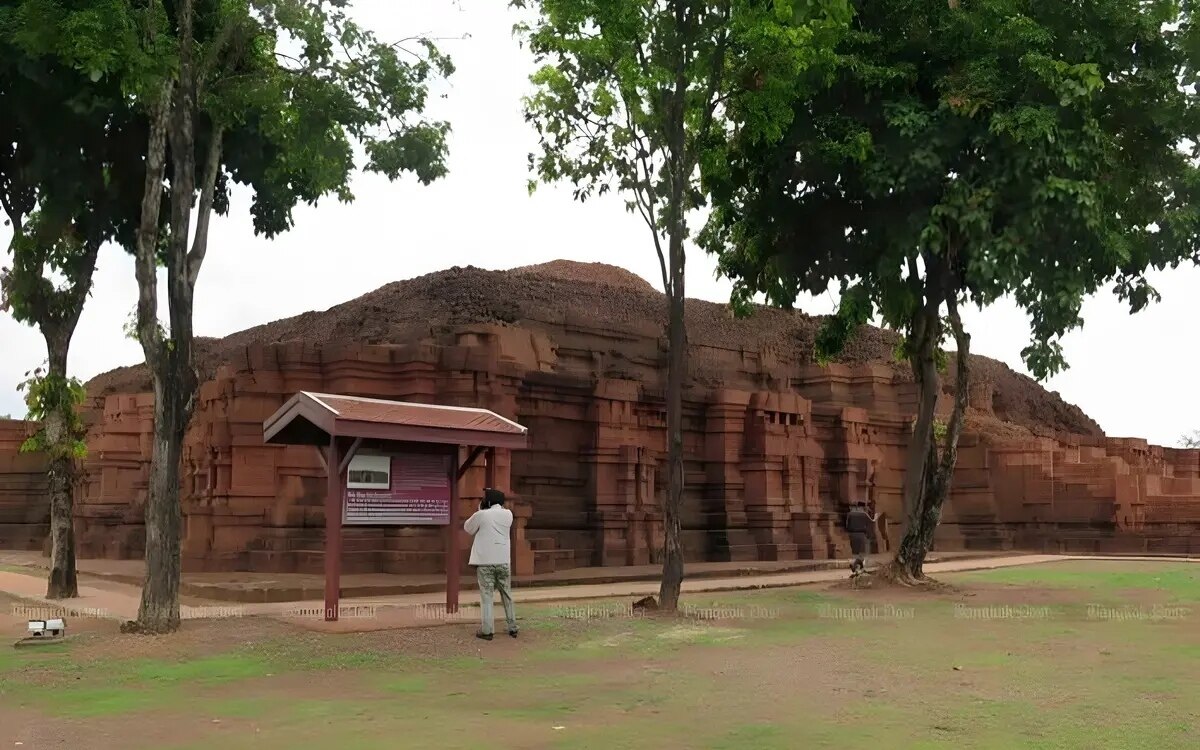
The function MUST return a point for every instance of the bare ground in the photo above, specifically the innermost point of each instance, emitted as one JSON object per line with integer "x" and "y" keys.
{"x": 797, "y": 676}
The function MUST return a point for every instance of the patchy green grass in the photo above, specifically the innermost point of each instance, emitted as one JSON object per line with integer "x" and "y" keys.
{"x": 780, "y": 668}
{"x": 1178, "y": 582}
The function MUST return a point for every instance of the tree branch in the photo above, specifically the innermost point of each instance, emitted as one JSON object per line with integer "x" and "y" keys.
{"x": 214, "y": 53}
{"x": 962, "y": 374}
{"x": 146, "y": 250}
{"x": 715, "y": 81}
{"x": 77, "y": 295}
{"x": 208, "y": 190}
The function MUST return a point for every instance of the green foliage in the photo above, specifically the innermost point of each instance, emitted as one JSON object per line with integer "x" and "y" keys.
{"x": 63, "y": 186}
{"x": 939, "y": 431}
{"x": 854, "y": 311}
{"x": 131, "y": 332}
{"x": 1191, "y": 440}
{"x": 630, "y": 94}
{"x": 46, "y": 396}
{"x": 297, "y": 87}
{"x": 967, "y": 151}
{"x": 43, "y": 251}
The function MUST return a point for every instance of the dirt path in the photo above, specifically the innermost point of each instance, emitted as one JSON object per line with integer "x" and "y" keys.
{"x": 119, "y": 601}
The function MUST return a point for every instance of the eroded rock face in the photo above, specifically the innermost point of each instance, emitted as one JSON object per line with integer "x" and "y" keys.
{"x": 776, "y": 447}
{"x": 24, "y": 506}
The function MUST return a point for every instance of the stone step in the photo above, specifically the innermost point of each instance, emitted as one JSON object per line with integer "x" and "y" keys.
{"x": 549, "y": 561}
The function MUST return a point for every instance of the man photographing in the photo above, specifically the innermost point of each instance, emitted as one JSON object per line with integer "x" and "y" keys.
{"x": 490, "y": 554}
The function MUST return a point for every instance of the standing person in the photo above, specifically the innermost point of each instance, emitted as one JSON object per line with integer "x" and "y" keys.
{"x": 491, "y": 555}
{"x": 859, "y": 524}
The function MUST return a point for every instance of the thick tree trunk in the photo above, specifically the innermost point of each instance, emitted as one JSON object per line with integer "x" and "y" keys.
{"x": 937, "y": 470}
{"x": 672, "y": 576}
{"x": 911, "y": 550}
{"x": 939, "y": 473}
{"x": 171, "y": 360}
{"x": 174, "y": 386}
{"x": 63, "y": 580}
{"x": 918, "y": 535}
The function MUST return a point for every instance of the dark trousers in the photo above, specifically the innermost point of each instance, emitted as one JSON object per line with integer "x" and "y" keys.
{"x": 860, "y": 545}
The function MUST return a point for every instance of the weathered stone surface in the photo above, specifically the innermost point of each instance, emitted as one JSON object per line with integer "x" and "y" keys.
{"x": 24, "y": 510}
{"x": 776, "y": 450}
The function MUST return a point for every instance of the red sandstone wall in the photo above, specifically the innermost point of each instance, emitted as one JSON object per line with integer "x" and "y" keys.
{"x": 771, "y": 465}
{"x": 24, "y": 511}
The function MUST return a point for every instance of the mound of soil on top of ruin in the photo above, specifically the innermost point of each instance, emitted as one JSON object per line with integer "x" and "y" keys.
{"x": 539, "y": 297}
{"x": 589, "y": 273}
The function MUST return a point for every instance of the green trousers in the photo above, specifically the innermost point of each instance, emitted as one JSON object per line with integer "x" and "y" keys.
{"x": 493, "y": 578}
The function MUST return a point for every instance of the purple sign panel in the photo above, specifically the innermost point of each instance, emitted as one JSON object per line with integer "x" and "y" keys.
{"x": 398, "y": 490}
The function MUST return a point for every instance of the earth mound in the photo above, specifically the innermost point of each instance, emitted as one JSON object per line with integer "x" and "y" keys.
{"x": 538, "y": 296}
{"x": 587, "y": 273}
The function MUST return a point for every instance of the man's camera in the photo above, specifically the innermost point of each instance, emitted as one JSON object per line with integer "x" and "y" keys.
{"x": 491, "y": 497}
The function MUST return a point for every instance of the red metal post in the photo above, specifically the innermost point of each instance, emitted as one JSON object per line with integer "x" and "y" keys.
{"x": 490, "y": 471}
{"x": 453, "y": 555}
{"x": 333, "y": 533}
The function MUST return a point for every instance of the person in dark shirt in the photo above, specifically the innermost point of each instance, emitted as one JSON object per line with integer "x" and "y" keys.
{"x": 859, "y": 524}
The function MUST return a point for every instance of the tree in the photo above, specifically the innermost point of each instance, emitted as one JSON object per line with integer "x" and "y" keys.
{"x": 963, "y": 151}
{"x": 631, "y": 94}
{"x": 65, "y": 143}
{"x": 272, "y": 94}
{"x": 50, "y": 396}
{"x": 1191, "y": 440}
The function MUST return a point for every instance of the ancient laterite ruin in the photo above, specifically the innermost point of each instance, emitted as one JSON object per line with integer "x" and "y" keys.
{"x": 777, "y": 447}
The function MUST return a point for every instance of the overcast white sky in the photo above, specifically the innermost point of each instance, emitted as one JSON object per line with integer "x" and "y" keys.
{"x": 1137, "y": 376}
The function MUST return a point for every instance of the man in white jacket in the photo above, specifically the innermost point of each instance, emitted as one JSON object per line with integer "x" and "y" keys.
{"x": 491, "y": 555}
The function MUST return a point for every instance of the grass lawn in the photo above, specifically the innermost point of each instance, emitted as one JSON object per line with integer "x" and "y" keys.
{"x": 1074, "y": 654}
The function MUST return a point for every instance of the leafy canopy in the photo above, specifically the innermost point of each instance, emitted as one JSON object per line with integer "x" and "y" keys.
{"x": 969, "y": 150}
{"x": 617, "y": 77}
{"x": 296, "y": 86}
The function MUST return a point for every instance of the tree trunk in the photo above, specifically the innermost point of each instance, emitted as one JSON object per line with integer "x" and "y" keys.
{"x": 940, "y": 470}
{"x": 672, "y": 576}
{"x": 910, "y": 553}
{"x": 937, "y": 471}
{"x": 676, "y": 224}
{"x": 918, "y": 536}
{"x": 174, "y": 386}
{"x": 169, "y": 362}
{"x": 63, "y": 580}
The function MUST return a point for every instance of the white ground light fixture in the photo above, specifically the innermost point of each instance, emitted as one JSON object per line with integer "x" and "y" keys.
{"x": 47, "y": 628}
